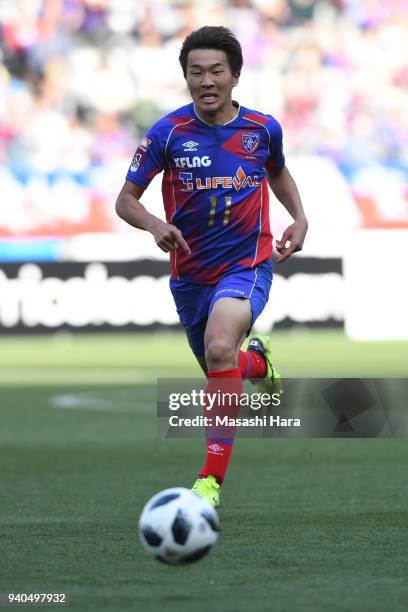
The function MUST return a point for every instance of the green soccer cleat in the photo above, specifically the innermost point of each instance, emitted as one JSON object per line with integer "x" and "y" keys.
{"x": 209, "y": 489}
{"x": 272, "y": 382}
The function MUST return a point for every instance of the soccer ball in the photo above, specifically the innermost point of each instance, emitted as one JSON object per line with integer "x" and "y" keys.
{"x": 178, "y": 526}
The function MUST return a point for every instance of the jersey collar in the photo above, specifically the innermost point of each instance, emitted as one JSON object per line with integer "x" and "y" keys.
{"x": 236, "y": 104}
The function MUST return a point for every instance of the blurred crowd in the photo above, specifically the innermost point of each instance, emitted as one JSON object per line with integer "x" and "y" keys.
{"x": 80, "y": 80}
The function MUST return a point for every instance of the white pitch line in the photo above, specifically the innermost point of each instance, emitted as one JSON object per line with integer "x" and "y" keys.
{"x": 78, "y": 402}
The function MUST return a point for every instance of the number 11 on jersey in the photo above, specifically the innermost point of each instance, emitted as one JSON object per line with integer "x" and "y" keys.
{"x": 213, "y": 205}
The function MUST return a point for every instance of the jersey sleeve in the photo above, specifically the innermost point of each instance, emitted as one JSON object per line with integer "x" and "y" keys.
{"x": 276, "y": 160}
{"x": 149, "y": 158}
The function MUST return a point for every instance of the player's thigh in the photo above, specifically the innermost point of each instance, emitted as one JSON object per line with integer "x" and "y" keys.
{"x": 228, "y": 323}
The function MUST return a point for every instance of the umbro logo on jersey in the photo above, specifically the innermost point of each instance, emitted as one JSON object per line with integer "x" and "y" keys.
{"x": 190, "y": 145}
{"x": 194, "y": 162}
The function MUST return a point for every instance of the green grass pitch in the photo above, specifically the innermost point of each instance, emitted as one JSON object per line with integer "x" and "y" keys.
{"x": 307, "y": 524}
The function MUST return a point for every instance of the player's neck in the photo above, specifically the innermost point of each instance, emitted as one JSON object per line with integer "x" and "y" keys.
{"x": 221, "y": 116}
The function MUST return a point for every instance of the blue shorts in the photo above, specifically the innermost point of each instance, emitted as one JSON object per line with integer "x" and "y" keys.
{"x": 194, "y": 302}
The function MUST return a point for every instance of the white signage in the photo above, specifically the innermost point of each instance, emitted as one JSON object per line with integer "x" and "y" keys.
{"x": 96, "y": 299}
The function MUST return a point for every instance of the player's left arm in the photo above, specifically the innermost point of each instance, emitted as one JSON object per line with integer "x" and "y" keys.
{"x": 285, "y": 189}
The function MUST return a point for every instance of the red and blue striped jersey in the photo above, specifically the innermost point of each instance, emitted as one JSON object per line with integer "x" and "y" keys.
{"x": 214, "y": 187}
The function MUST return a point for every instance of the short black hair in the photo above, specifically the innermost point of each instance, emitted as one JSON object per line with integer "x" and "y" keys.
{"x": 213, "y": 37}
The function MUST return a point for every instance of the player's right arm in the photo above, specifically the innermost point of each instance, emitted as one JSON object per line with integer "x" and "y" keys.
{"x": 129, "y": 208}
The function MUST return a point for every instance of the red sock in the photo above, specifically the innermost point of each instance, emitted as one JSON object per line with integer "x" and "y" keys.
{"x": 219, "y": 439}
{"x": 251, "y": 364}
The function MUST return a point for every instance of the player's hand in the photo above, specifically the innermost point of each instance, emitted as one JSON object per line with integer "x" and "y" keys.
{"x": 292, "y": 240}
{"x": 169, "y": 238}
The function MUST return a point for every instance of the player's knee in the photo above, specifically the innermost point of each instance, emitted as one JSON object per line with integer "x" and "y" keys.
{"x": 219, "y": 354}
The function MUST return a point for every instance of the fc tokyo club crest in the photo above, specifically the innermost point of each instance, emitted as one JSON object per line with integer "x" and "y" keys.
{"x": 250, "y": 141}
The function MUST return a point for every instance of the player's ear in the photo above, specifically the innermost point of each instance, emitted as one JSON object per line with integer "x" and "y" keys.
{"x": 235, "y": 79}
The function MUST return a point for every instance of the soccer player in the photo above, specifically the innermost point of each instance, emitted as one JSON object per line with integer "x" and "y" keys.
{"x": 217, "y": 157}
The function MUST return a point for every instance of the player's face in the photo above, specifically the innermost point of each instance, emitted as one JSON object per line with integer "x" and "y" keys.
{"x": 210, "y": 80}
